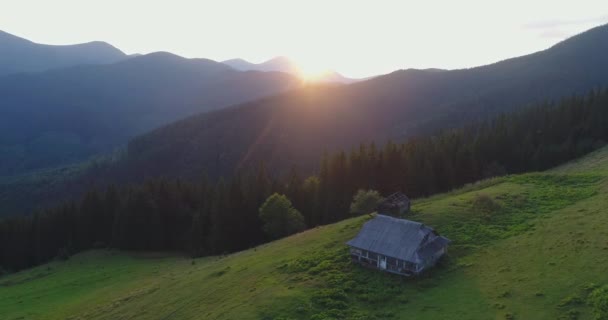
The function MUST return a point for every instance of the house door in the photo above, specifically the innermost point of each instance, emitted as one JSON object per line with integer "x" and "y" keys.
{"x": 382, "y": 263}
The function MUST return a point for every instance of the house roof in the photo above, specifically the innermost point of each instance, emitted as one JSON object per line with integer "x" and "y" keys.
{"x": 396, "y": 238}
{"x": 432, "y": 247}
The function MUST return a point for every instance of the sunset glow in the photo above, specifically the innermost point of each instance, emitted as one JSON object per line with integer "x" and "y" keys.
{"x": 312, "y": 71}
{"x": 355, "y": 38}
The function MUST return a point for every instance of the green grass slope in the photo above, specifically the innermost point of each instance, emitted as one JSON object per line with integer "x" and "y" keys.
{"x": 531, "y": 246}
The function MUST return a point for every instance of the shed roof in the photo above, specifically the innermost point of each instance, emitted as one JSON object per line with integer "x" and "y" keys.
{"x": 392, "y": 237}
{"x": 396, "y": 198}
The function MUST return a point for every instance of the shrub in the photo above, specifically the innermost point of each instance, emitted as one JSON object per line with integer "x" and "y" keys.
{"x": 280, "y": 218}
{"x": 484, "y": 205}
{"x": 323, "y": 266}
{"x": 598, "y": 299}
{"x": 365, "y": 201}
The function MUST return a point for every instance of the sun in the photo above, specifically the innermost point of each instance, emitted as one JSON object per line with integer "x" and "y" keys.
{"x": 312, "y": 71}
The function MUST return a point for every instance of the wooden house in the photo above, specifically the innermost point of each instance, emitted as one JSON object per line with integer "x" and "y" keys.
{"x": 396, "y": 204}
{"x": 397, "y": 245}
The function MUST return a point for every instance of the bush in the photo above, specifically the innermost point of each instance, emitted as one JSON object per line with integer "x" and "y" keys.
{"x": 280, "y": 217}
{"x": 485, "y": 205}
{"x": 598, "y": 299}
{"x": 365, "y": 201}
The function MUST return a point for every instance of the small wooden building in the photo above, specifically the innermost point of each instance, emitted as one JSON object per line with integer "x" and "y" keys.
{"x": 397, "y": 245}
{"x": 396, "y": 204}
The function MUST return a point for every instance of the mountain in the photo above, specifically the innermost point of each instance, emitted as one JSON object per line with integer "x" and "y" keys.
{"x": 21, "y": 55}
{"x": 66, "y": 115}
{"x": 298, "y": 126}
{"x": 284, "y": 64}
{"x": 281, "y": 64}
{"x": 552, "y": 220}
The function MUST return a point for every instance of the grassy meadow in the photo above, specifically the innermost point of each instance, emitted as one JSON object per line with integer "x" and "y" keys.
{"x": 531, "y": 246}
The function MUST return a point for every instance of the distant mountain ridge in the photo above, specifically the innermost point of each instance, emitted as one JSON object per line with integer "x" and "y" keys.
{"x": 21, "y": 55}
{"x": 284, "y": 64}
{"x": 280, "y": 64}
{"x": 298, "y": 126}
{"x": 65, "y": 115}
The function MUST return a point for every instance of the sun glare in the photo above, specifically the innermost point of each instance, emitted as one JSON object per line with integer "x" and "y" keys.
{"x": 311, "y": 72}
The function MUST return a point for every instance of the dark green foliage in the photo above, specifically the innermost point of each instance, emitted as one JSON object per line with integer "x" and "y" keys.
{"x": 279, "y": 217}
{"x": 591, "y": 296}
{"x": 598, "y": 299}
{"x": 159, "y": 215}
{"x": 365, "y": 201}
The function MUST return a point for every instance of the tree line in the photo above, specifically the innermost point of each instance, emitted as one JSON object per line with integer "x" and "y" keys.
{"x": 205, "y": 217}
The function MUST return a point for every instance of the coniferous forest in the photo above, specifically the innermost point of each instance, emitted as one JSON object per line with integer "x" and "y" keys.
{"x": 205, "y": 217}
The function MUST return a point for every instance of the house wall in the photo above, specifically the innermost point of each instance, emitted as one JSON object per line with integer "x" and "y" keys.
{"x": 372, "y": 259}
{"x": 433, "y": 259}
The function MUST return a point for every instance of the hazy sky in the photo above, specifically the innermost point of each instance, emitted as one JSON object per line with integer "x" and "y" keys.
{"x": 357, "y": 38}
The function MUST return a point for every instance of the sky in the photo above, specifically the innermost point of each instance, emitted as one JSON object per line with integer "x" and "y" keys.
{"x": 356, "y": 38}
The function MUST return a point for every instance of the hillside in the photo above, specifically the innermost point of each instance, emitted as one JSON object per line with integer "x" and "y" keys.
{"x": 298, "y": 126}
{"x": 540, "y": 253}
{"x": 21, "y": 55}
{"x": 66, "y": 115}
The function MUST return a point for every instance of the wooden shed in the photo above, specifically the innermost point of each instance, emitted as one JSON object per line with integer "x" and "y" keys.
{"x": 397, "y": 245}
{"x": 396, "y": 204}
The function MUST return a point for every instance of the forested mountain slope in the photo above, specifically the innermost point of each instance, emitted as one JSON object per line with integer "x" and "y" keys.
{"x": 65, "y": 115}
{"x": 298, "y": 126}
{"x": 532, "y": 139}
{"x": 537, "y": 252}
{"x": 21, "y": 55}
